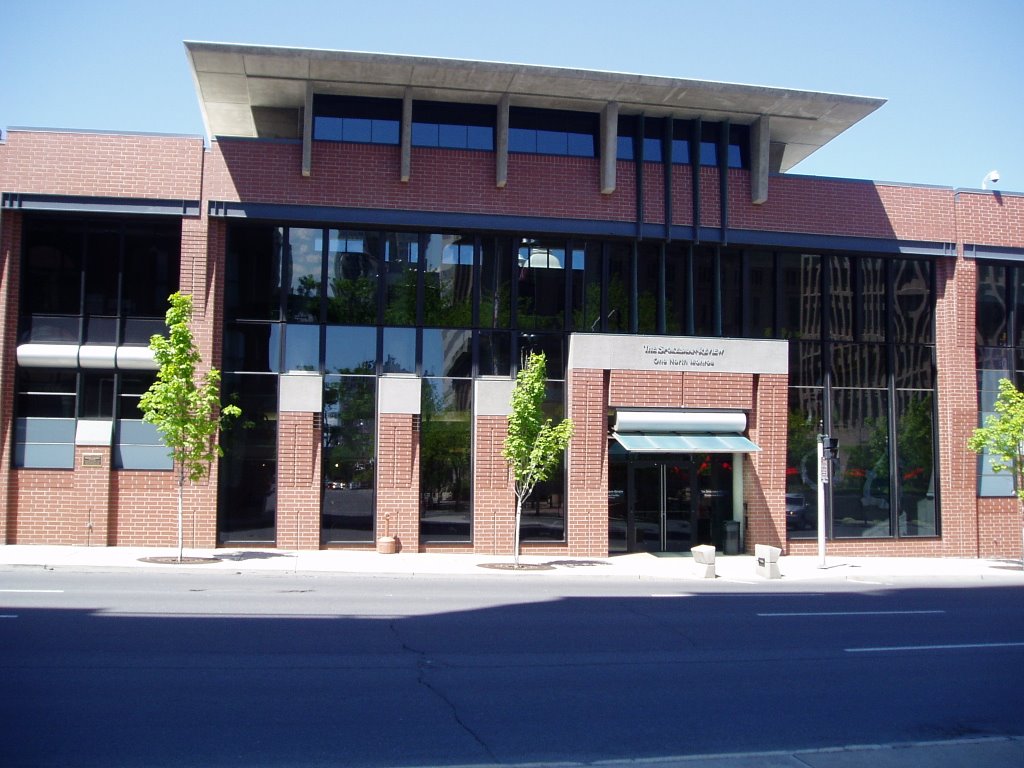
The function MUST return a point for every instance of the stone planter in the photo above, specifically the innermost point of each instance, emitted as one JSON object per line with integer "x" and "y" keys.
{"x": 387, "y": 545}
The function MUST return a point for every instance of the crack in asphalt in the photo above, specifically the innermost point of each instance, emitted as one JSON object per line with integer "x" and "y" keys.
{"x": 423, "y": 665}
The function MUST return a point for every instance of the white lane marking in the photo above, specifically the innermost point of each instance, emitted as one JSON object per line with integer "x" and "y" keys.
{"x": 850, "y": 613}
{"x": 950, "y": 647}
{"x": 33, "y": 591}
{"x": 8, "y": 615}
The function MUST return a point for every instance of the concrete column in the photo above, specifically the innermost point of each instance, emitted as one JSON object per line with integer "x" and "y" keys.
{"x": 609, "y": 146}
{"x": 406, "y": 134}
{"x": 501, "y": 143}
{"x": 307, "y": 132}
{"x": 760, "y": 135}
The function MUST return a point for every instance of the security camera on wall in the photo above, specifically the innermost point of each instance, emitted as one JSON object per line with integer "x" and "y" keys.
{"x": 990, "y": 178}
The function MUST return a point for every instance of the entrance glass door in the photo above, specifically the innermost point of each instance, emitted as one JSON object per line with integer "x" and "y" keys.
{"x": 668, "y": 504}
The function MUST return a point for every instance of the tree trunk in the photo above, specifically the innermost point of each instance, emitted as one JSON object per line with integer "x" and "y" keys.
{"x": 181, "y": 491}
{"x": 515, "y": 535}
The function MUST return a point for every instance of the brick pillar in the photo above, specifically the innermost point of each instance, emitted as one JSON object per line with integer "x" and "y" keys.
{"x": 91, "y": 491}
{"x": 298, "y": 480}
{"x": 764, "y": 473}
{"x": 956, "y": 385}
{"x": 587, "y": 503}
{"x": 494, "y": 499}
{"x": 398, "y": 478}
{"x": 10, "y": 265}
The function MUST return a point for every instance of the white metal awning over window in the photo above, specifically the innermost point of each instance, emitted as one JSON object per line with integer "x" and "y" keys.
{"x": 674, "y": 431}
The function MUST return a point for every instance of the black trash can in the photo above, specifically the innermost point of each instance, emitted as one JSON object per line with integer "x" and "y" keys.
{"x": 732, "y": 537}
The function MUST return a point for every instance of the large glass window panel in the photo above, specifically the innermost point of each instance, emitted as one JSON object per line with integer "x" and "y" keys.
{"x": 677, "y": 273}
{"x": 705, "y": 279}
{"x": 495, "y": 282}
{"x": 913, "y": 315}
{"x": 448, "y": 281}
{"x": 447, "y": 353}
{"x": 870, "y": 298}
{"x": 914, "y": 366}
{"x": 97, "y": 396}
{"x": 994, "y": 363}
{"x": 349, "y": 459}
{"x": 495, "y": 353}
{"x": 648, "y": 271}
{"x": 399, "y": 350}
{"x": 401, "y": 269}
{"x": 132, "y": 386}
{"x": 350, "y": 349}
{"x": 352, "y": 268}
{"x": 801, "y": 306}
{"x": 554, "y": 132}
{"x": 446, "y": 513}
{"x": 150, "y": 271}
{"x": 759, "y": 301}
{"x": 541, "y": 284}
{"x": 544, "y": 510}
{"x": 803, "y": 426}
{"x": 915, "y": 445}
{"x": 858, "y": 365}
{"x": 452, "y": 125}
{"x": 52, "y": 278}
{"x": 304, "y": 269}
{"x": 252, "y": 347}
{"x": 302, "y": 348}
{"x": 842, "y": 298}
{"x": 731, "y": 268}
{"x": 102, "y": 262}
{"x": 992, "y": 307}
{"x": 587, "y": 267}
{"x": 356, "y": 119}
{"x": 247, "y": 479}
{"x": 805, "y": 364}
{"x": 46, "y": 393}
{"x": 253, "y": 285}
{"x": 553, "y": 347}
{"x": 620, "y": 288}
{"x": 860, "y": 488}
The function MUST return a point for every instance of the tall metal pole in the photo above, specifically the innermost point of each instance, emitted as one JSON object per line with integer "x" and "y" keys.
{"x": 822, "y": 482}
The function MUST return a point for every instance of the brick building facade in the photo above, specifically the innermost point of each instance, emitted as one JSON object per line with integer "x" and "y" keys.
{"x": 374, "y": 242}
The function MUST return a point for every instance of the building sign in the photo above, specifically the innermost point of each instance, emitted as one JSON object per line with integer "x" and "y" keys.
{"x": 677, "y": 353}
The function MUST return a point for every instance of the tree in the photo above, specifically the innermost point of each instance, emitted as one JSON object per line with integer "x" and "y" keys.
{"x": 533, "y": 445}
{"x": 184, "y": 407}
{"x": 1002, "y": 438}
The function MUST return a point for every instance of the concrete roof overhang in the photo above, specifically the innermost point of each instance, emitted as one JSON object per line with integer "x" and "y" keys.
{"x": 260, "y": 91}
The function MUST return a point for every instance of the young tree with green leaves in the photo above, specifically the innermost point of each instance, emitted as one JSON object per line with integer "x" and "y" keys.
{"x": 1002, "y": 439}
{"x": 534, "y": 445}
{"x": 184, "y": 406}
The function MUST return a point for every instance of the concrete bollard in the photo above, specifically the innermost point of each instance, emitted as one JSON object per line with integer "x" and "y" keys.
{"x": 767, "y": 561}
{"x": 704, "y": 557}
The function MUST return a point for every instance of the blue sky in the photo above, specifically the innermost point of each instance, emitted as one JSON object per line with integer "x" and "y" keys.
{"x": 953, "y": 72}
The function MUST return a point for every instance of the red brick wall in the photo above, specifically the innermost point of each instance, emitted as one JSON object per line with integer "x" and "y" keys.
{"x": 398, "y": 478}
{"x": 144, "y": 512}
{"x": 299, "y": 474}
{"x": 587, "y": 503}
{"x": 10, "y": 270}
{"x": 999, "y": 528}
{"x": 102, "y": 165}
{"x": 43, "y": 509}
{"x": 494, "y": 501}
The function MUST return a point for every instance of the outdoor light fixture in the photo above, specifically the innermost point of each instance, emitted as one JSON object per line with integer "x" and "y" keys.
{"x": 990, "y": 177}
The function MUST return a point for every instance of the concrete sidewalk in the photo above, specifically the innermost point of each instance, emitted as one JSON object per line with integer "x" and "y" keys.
{"x": 735, "y": 568}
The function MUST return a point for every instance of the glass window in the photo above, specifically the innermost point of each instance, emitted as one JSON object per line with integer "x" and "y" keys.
{"x": 399, "y": 350}
{"x": 544, "y": 510}
{"x": 541, "y": 284}
{"x": 495, "y": 353}
{"x": 495, "y": 283}
{"x": 805, "y": 364}
{"x": 803, "y": 426}
{"x": 151, "y": 265}
{"x": 453, "y": 126}
{"x": 731, "y": 281}
{"x": 133, "y": 386}
{"x": 992, "y": 307}
{"x": 303, "y": 268}
{"x": 760, "y": 295}
{"x": 401, "y": 269}
{"x": 97, "y": 398}
{"x": 705, "y": 286}
{"x": 356, "y": 119}
{"x": 620, "y": 288}
{"x": 553, "y": 347}
{"x": 842, "y": 298}
{"x": 102, "y": 261}
{"x": 870, "y": 293}
{"x": 252, "y": 347}
{"x": 552, "y": 132}
{"x": 648, "y": 272}
{"x": 52, "y": 281}
{"x": 860, "y": 489}
{"x": 913, "y": 314}
{"x": 349, "y": 459}
{"x": 682, "y": 130}
{"x": 677, "y": 305}
{"x": 302, "y": 348}
{"x": 45, "y": 393}
{"x": 447, "y": 353}
{"x": 351, "y": 349}
{"x": 352, "y": 266}
{"x": 587, "y": 263}
{"x": 914, "y": 449}
{"x": 800, "y": 307}
{"x": 252, "y": 288}
{"x": 448, "y": 281}
{"x": 446, "y": 513}
{"x": 247, "y": 477}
